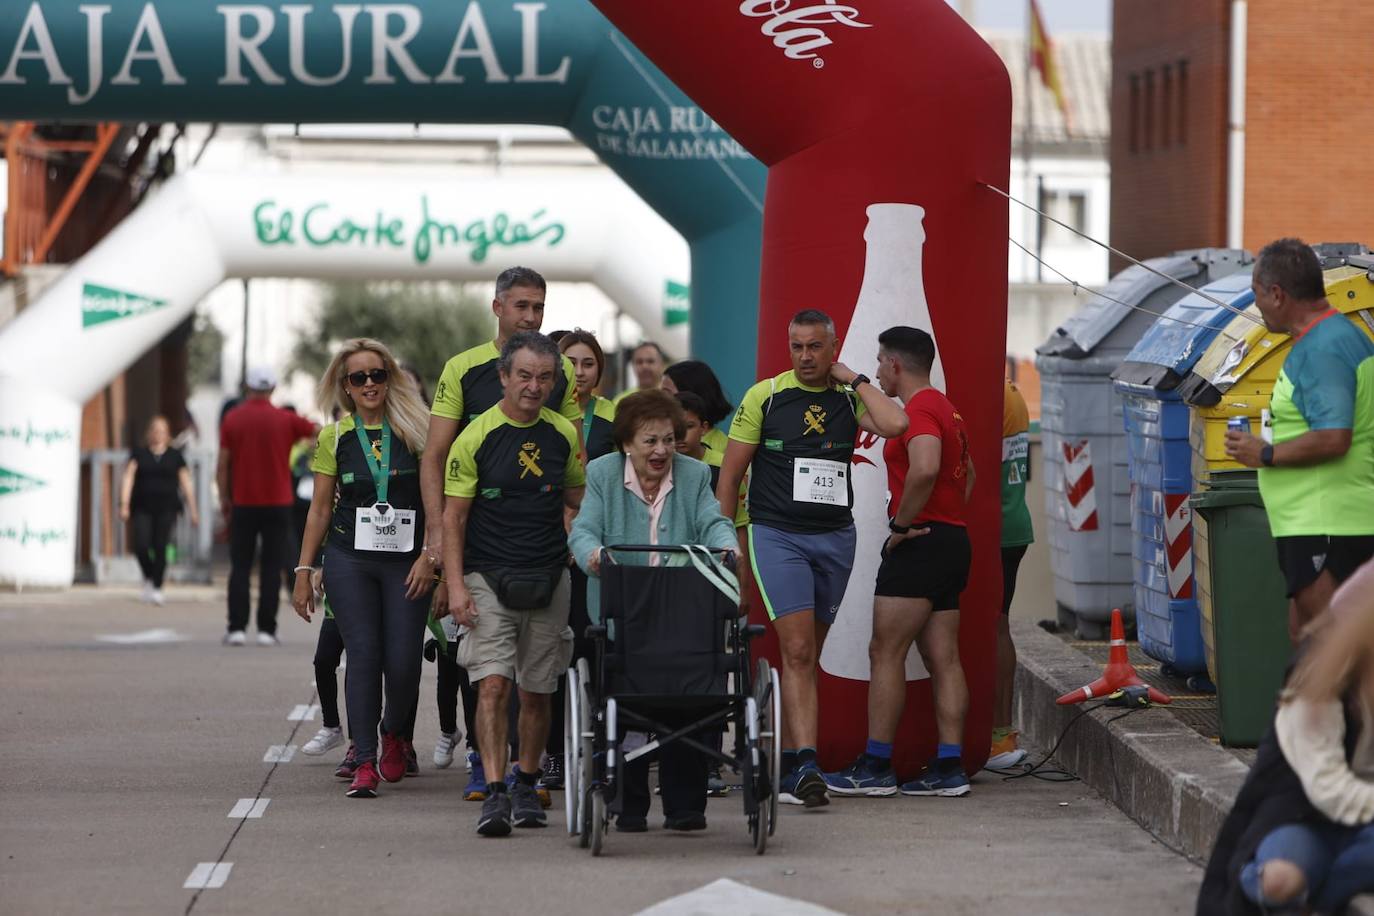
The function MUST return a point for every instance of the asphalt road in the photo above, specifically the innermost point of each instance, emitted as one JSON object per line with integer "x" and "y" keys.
{"x": 124, "y": 760}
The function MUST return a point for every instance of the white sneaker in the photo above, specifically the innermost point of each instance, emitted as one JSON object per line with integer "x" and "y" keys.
{"x": 324, "y": 740}
{"x": 235, "y": 638}
{"x": 268, "y": 639}
{"x": 443, "y": 749}
{"x": 157, "y": 597}
{"x": 146, "y": 596}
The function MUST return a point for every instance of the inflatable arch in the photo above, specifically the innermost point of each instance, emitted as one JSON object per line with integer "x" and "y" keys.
{"x": 878, "y": 121}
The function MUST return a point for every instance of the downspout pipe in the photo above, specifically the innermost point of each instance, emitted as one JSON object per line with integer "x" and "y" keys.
{"x": 1235, "y": 159}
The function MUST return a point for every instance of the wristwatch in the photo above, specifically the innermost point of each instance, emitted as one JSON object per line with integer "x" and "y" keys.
{"x": 858, "y": 380}
{"x": 896, "y": 528}
{"x": 1267, "y": 456}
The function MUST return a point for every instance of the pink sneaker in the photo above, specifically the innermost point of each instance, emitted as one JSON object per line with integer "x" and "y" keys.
{"x": 392, "y": 762}
{"x": 364, "y": 782}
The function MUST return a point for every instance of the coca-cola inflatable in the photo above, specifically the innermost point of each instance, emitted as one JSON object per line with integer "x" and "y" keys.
{"x": 879, "y": 120}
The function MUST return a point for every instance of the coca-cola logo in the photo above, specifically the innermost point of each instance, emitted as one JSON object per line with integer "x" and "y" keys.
{"x": 799, "y": 26}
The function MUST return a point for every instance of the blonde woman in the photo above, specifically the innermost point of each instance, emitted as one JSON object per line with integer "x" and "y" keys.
{"x": 377, "y": 571}
{"x": 1301, "y": 835}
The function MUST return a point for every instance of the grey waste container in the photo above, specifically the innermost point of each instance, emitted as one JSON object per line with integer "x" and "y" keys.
{"x": 1087, "y": 484}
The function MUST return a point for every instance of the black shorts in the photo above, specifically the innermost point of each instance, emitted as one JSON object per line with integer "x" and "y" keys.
{"x": 933, "y": 566}
{"x": 1011, "y": 563}
{"x": 1304, "y": 557}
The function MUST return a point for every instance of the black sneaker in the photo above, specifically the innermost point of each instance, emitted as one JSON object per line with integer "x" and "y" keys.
{"x": 631, "y": 823}
{"x": 495, "y": 817}
{"x": 684, "y": 822}
{"x": 525, "y": 808}
{"x": 553, "y": 773}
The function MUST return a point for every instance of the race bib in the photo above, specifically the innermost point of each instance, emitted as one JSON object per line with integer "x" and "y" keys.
{"x": 817, "y": 480}
{"x": 384, "y": 528}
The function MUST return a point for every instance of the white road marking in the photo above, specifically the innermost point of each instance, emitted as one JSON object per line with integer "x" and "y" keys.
{"x": 726, "y": 896}
{"x": 249, "y": 808}
{"x": 142, "y": 637}
{"x": 303, "y": 713}
{"x": 208, "y": 875}
{"x": 279, "y": 753}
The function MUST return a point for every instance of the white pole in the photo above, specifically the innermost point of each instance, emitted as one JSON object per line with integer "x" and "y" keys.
{"x": 1235, "y": 164}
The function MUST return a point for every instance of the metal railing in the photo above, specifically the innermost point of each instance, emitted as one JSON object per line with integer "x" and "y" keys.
{"x": 104, "y": 554}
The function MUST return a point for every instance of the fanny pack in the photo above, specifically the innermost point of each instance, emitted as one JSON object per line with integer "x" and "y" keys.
{"x": 522, "y": 589}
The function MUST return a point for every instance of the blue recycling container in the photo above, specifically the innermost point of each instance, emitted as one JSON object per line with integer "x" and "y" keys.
{"x": 1168, "y": 616}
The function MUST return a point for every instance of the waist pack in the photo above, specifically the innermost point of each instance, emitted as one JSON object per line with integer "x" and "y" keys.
{"x": 522, "y": 589}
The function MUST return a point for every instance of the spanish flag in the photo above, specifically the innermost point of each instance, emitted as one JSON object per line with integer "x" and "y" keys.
{"x": 1042, "y": 58}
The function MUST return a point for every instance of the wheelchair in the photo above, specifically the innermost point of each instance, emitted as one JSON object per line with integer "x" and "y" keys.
{"x": 670, "y": 645}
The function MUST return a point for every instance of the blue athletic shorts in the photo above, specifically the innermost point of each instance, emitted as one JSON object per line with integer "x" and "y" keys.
{"x": 801, "y": 572}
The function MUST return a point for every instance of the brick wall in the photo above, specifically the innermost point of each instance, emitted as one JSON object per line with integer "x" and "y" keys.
{"x": 1169, "y": 125}
{"x": 1308, "y": 161}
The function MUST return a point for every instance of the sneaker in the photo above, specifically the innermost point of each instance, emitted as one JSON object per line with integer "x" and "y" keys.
{"x": 235, "y": 638}
{"x": 495, "y": 817}
{"x": 950, "y": 783}
{"x": 364, "y": 782}
{"x": 468, "y": 758}
{"x": 476, "y": 789}
{"x": 268, "y": 639}
{"x": 804, "y": 786}
{"x": 156, "y": 597}
{"x": 146, "y": 596}
{"x": 541, "y": 791}
{"x": 685, "y": 822}
{"x": 553, "y": 773}
{"x": 349, "y": 765}
{"x": 412, "y": 762}
{"x": 1005, "y": 753}
{"x": 631, "y": 823}
{"x": 443, "y": 750}
{"x": 392, "y": 762}
{"x": 325, "y": 739}
{"x": 715, "y": 784}
{"x": 860, "y": 779}
{"x": 527, "y": 809}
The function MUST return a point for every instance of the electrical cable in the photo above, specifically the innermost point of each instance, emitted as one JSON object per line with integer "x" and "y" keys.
{"x": 1174, "y": 280}
{"x": 1055, "y": 775}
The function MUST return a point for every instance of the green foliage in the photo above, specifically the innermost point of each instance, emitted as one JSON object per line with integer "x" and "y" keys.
{"x": 423, "y": 323}
{"x": 205, "y": 356}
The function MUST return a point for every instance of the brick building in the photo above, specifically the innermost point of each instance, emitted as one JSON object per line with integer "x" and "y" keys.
{"x": 1306, "y": 167}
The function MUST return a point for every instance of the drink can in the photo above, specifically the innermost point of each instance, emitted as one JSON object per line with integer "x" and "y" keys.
{"x": 1238, "y": 424}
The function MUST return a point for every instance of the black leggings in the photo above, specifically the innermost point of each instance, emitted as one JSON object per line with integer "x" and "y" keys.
{"x": 328, "y": 651}
{"x": 152, "y": 533}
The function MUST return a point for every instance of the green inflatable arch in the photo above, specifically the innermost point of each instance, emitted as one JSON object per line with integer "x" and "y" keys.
{"x": 557, "y": 62}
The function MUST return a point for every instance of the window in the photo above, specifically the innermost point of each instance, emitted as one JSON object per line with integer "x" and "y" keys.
{"x": 1148, "y": 130}
{"x": 1069, "y": 207}
{"x": 1166, "y": 115}
{"x": 1134, "y": 132}
{"x": 1182, "y": 105}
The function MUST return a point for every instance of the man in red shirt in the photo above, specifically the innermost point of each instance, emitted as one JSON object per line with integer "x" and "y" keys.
{"x": 255, "y": 495}
{"x": 925, "y": 564}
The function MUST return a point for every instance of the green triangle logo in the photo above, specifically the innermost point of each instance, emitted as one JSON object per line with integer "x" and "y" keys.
{"x": 100, "y": 304}
{"x": 15, "y": 482}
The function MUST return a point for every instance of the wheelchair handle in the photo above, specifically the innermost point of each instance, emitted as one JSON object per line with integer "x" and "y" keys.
{"x": 662, "y": 548}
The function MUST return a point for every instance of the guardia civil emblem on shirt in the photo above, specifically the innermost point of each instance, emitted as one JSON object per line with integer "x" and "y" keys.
{"x": 814, "y": 418}
{"x": 528, "y": 457}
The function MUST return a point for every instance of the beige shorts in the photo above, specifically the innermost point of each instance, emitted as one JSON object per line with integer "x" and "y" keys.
{"x": 532, "y": 648}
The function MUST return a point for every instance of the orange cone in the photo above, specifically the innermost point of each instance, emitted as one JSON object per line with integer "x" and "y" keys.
{"x": 1118, "y": 673}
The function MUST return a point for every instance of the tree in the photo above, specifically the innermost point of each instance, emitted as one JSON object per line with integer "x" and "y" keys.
{"x": 206, "y": 348}
{"x": 423, "y": 323}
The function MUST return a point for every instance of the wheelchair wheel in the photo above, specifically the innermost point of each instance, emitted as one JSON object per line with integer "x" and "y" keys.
{"x": 760, "y": 827}
{"x": 770, "y": 737}
{"x": 572, "y": 738}
{"x": 597, "y": 827}
{"x": 585, "y": 749}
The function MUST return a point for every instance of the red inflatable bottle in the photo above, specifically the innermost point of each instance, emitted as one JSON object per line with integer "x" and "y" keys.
{"x": 880, "y": 122}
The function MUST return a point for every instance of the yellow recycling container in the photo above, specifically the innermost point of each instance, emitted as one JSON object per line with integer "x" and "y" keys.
{"x": 1236, "y": 376}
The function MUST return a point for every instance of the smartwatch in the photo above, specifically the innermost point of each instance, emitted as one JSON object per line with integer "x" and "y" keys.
{"x": 859, "y": 379}
{"x": 1267, "y": 456}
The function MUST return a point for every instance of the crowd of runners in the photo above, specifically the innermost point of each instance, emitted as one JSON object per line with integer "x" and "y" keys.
{"x": 453, "y": 517}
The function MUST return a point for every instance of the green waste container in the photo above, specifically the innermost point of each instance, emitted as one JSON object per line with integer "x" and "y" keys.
{"x": 1244, "y": 608}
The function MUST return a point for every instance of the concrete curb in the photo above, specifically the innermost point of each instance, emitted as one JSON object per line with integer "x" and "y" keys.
{"x": 1171, "y": 780}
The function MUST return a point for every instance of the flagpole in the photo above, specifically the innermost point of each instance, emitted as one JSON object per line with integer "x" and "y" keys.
{"x": 1028, "y": 129}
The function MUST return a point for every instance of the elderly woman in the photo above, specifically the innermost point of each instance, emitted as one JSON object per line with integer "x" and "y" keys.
{"x": 648, "y": 493}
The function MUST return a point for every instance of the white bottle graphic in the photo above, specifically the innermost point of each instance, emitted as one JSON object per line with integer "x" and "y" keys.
{"x": 893, "y": 293}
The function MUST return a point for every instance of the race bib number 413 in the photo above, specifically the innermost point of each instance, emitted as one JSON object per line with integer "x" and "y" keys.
{"x": 817, "y": 480}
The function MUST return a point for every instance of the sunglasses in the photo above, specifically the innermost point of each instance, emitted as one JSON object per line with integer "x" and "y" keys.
{"x": 376, "y": 376}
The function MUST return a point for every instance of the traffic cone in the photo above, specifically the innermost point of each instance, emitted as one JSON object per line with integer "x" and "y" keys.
{"x": 1118, "y": 673}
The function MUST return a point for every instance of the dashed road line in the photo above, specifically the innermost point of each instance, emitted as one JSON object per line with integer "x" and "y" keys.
{"x": 208, "y": 876}
{"x": 249, "y": 808}
{"x": 280, "y": 753}
{"x": 303, "y": 713}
